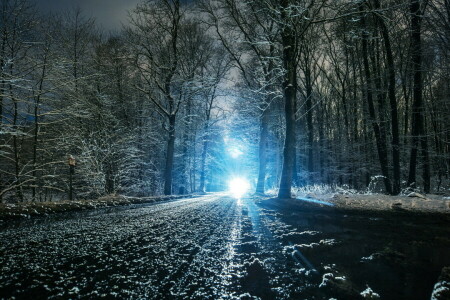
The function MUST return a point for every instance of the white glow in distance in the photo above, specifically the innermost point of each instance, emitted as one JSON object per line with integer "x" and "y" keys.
{"x": 235, "y": 152}
{"x": 238, "y": 187}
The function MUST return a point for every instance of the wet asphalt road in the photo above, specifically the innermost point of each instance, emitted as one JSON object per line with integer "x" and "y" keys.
{"x": 210, "y": 247}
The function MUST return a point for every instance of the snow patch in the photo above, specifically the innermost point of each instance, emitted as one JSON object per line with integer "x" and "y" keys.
{"x": 440, "y": 288}
{"x": 368, "y": 293}
{"x": 326, "y": 278}
{"x": 368, "y": 258}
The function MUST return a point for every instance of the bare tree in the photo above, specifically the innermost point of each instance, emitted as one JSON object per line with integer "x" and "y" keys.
{"x": 155, "y": 34}
{"x": 17, "y": 22}
{"x": 417, "y": 9}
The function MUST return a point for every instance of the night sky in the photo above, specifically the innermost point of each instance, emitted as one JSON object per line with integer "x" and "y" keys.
{"x": 109, "y": 14}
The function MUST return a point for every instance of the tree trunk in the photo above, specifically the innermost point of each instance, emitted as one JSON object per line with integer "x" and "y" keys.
{"x": 185, "y": 157}
{"x": 36, "y": 123}
{"x": 2, "y": 93}
{"x": 170, "y": 156}
{"x": 381, "y": 105}
{"x": 426, "y": 164}
{"x": 290, "y": 92}
{"x": 309, "y": 121}
{"x": 262, "y": 152}
{"x": 417, "y": 129}
{"x": 393, "y": 105}
{"x": 203, "y": 162}
{"x": 264, "y": 130}
{"x": 15, "y": 101}
{"x": 381, "y": 148}
{"x": 321, "y": 143}
{"x": 2, "y": 81}
{"x": 193, "y": 170}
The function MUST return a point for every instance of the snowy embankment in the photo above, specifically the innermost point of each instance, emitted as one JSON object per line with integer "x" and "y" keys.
{"x": 28, "y": 209}
{"x": 411, "y": 202}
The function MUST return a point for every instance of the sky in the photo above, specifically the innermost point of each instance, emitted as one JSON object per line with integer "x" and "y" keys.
{"x": 109, "y": 14}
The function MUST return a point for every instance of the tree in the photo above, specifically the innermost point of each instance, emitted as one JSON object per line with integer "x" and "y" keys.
{"x": 378, "y": 130}
{"x": 392, "y": 101}
{"x": 294, "y": 20}
{"x": 216, "y": 69}
{"x": 155, "y": 35}
{"x": 289, "y": 44}
{"x": 17, "y": 22}
{"x": 417, "y": 9}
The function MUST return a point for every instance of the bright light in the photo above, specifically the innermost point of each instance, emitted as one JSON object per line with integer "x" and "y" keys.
{"x": 235, "y": 152}
{"x": 238, "y": 187}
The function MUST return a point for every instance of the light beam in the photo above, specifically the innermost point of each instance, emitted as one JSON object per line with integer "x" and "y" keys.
{"x": 235, "y": 152}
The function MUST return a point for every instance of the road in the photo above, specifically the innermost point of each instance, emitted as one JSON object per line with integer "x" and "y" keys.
{"x": 218, "y": 247}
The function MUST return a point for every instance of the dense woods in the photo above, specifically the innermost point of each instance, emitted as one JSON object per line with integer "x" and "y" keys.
{"x": 189, "y": 93}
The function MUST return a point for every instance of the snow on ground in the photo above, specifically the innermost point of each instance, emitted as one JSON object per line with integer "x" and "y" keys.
{"x": 369, "y": 294}
{"x": 411, "y": 202}
{"x": 217, "y": 247}
{"x": 22, "y": 210}
{"x": 441, "y": 290}
{"x": 211, "y": 247}
{"x": 168, "y": 249}
{"x": 343, "y": 199}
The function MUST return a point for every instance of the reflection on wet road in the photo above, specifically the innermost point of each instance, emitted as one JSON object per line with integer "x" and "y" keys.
{"x": 211, "y": 247}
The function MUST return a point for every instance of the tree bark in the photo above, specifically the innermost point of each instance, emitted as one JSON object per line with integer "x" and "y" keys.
{"x": 392, "y": 102}
{"x": 381, "y": 148}
{"x": 2, "y": 93}
{"x": 36, "y": 122}
{"x": 173, "y": 109}
{"x": 15, "y": 126}
{"x": 185, "y": 150}
{"x": 417, "y": 124}
{"x": 309, "y": 121}
{"x": 263, "y": 135}
{"x": 170, "y": 155}
{"x": 203, "y": 167}
{"x": 288, "y": 37}
{"x": 203, "y": 162}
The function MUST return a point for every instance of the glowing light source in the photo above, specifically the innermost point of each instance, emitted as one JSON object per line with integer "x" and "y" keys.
{"x": 238, "y": 187}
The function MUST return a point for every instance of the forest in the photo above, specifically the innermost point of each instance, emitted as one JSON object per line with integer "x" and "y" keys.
{"x": 286, "y": 93}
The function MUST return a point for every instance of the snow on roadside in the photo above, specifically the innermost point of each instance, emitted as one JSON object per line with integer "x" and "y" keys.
{"x": 171, "y": 249}
{"x": 441, "y": 290}
{"x": 368, "y": 293}
{"x": 412, "y": 202}
{"x": 28, "y": 209}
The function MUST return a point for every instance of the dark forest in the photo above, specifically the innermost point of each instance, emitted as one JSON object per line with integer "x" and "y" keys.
{"x": 289, "y": 94}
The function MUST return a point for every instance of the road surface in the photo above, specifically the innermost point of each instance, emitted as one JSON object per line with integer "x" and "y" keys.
{"x": 218, "y": 247}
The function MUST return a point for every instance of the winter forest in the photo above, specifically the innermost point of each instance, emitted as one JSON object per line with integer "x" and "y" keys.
{"x": 287, "y": 93}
